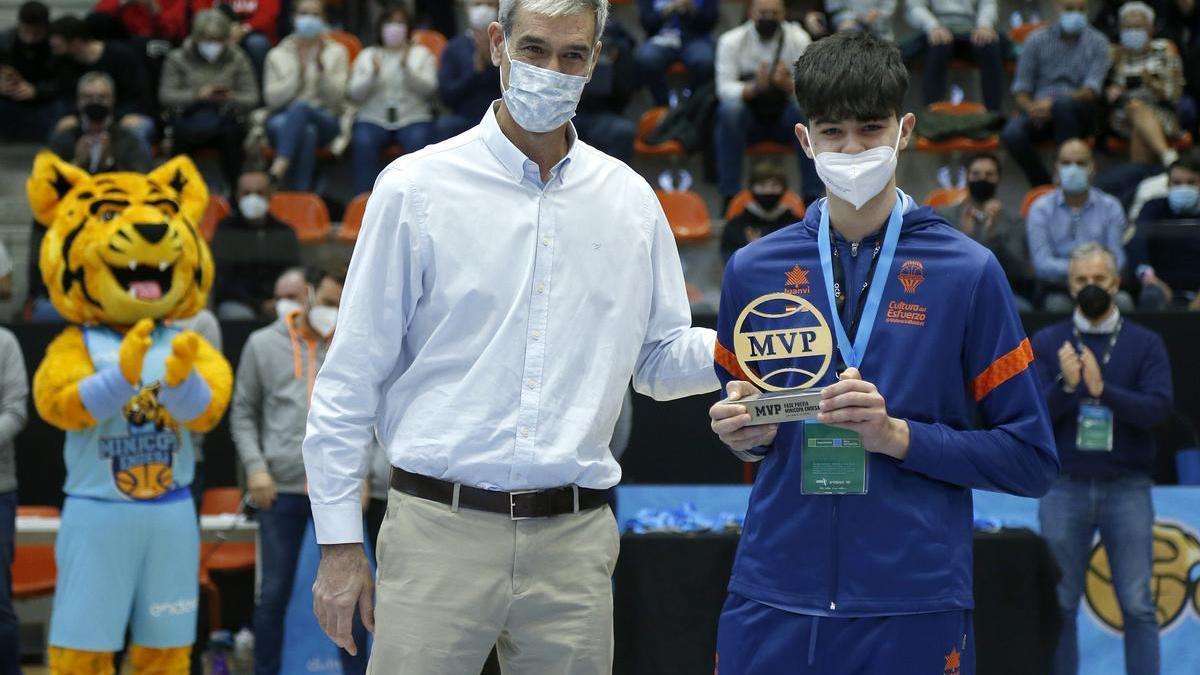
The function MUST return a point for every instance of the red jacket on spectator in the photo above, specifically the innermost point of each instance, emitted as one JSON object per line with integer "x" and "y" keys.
{"x": 170, "y": 23}
{"x": 259, "y": 14}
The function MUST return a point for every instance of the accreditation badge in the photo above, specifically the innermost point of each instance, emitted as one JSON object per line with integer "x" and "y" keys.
{"x": 835, "y": 461}
{"x": 1094, "y": 428}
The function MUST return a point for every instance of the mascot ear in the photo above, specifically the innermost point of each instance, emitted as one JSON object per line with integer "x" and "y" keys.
{"x": 51, "y": 180}
{"x": 180, "y": 174}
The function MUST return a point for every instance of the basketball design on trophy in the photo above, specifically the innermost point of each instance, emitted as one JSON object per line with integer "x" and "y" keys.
{"x": 1176, "y": 565}
{"x": 782, "y": 341}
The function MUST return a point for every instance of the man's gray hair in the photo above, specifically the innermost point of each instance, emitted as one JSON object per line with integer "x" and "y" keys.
{"x": 554, "y": 8}
{"x": 1091, "y": 248}
{"x": 211, "y": 24}
{"x": 1135, "y": 7}
{"x": 93, "y": 76}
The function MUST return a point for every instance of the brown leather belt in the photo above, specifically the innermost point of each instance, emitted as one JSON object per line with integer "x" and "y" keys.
{"x": 517, "y": 505}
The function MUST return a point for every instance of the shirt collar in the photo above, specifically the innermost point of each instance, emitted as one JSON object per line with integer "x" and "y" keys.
{"x": 515, "y": 163}
{"x": 1106, "y": 327}
{"x": 1062, "y": 198}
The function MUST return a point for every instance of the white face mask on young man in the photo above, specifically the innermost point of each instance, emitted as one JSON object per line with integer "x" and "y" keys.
{"x": 539, "y": 99}
{"x": 858, "y": 177}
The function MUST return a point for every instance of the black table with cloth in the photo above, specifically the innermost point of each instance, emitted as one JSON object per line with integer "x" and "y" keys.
{"x": 669, "y": 589}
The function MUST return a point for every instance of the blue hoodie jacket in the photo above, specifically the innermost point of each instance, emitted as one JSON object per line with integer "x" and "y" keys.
{"x": 949, "y": 355}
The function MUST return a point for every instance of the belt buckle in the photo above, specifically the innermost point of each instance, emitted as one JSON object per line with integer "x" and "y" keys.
{"x": 512, "y": 504}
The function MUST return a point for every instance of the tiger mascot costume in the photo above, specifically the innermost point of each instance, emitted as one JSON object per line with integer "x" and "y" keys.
{"x": 122, "y": 257}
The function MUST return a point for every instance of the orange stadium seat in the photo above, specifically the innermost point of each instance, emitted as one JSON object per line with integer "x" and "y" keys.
{"x": 687, "y": 215}
{"x": 741, "y": 199}
{"x": 1021, "y": 33}
{"x": 33, "y": 570}
{"x": 770, "y": 148}
{"x": 648, "y": 121}
{"x": 352, "y": 219}
{"x": 304, "y": 212}
{"x": 1032, "y": 196}
{"x": 945, "y": 197}
{"x": 349, "y": 41}
{"x": 960, "y": 144}
{"x": 217, "y": 209}
{"x": 223, "y": 556}
{"x": 1120, "y": 146}
{"x": 431, "y": 40}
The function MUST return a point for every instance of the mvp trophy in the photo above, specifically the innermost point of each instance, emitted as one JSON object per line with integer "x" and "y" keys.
{"x": 783, "y": 346}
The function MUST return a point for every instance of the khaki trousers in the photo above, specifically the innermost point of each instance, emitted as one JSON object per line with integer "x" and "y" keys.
{"x": 452, "y": 584}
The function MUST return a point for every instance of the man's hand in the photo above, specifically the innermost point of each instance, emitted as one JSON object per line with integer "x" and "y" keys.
{"x": 344, "y": 582}
{"x": 855, "y": 404}
{"x": 262, "y": 489}
{"x": 1113, "y": 92}
{"x": 66, "y": 124}
{"x": 729, "y": 420}
{"x": 983, "y": 36}
{"x": 22, "y": 91}
{"x": 1040, "y": 110}
{"x": 1069, "y": 365}
{"x": 938, "y": 35}
{"x": 206, "y": 92}
{"x": 781, "y": 78}
{"x": 1092, "y": 379}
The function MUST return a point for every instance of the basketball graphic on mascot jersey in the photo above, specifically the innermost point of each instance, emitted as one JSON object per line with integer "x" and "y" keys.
{"x": 145, "y": 481}
{"x": 1176, "y": 560}
{"x": 782, "y": 341}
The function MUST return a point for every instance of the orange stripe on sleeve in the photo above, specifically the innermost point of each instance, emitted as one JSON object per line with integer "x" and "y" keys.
{"x": 1003, "y": 369}
{"x": 729, "y": 362}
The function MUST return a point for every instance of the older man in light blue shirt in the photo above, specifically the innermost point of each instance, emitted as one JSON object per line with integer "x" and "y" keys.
{"x": 506, "y": 286}
{"x": 1074, "y": 214}
{"x": 1057, "y": 86}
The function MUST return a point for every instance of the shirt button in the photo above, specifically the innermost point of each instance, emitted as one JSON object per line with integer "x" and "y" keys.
{"x": 541, "y": 289}
{"x": 536, "y": 335}
{"x": 530, "y": 384}
{"x": 524, "y": 432}
{"x": 545, "y": 241}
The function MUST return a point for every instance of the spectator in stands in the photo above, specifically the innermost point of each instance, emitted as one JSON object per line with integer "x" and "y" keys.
{"x": 1059, "y": 78}
{"x": 253, "y": 26}
{"x": 600, "y": 120}
{"x": 267, "y": 420}
{"x": 70, "y": 37}
{"x": 6, "y": 270}
{"x": 1144, "y": 88}
{"x": 677, "y": 30}
{"x": 305, "y": 87}
{"x": 1107, "y": 383}
{"x": 14, "y": 407}
{"x": 149, "y": 19}
{"x": 94, "y": 141}
{"x": 251, "y": 249}
{"x": 959, "y": 28}
{"x": 874, "y": 16}
{"x": 765, "y": 213}
{"x": 984, "y": 218}
{"x": 1169, "y": 269}
{"x": 208, "y": 88}
{"x": 394, "y": 85}
{"x": 811, "y": 15}
{"x": 756, "y": 93}
{"x": 29, "y": 73}
{"x": 467, "y": 80}
{"x": 1072, "y": 215}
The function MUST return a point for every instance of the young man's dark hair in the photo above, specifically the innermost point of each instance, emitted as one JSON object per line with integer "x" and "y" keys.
{"x": 989, "y": 157}
{"x": 851, "y": 76}
{"x": 34, "y": 14}
{"x": 70, "y": 28}
{"x": 1189, "y": 161}
{"x": 315, "y": 274}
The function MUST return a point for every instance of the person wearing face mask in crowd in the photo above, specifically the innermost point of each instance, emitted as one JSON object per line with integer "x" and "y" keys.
{"x": 29, "y": 74}
{"x": 499, "y": 264}
{"x": 208, "y": 88}
{"x": 95, "y": 141}
{"x": 1144, "y": 88}
{"x": 754, "y": 92}
{"x": 872, "y": 16}
{"x": 304, "y": 85}
{"x": 266, "y": 419}
{"x": 1167, "y": 266}
{"x": 1107, "y": 383}
{"x": 1073, "y": 214}
{"x": 467, "y": 81}
{"x": 1060, "y": 74}
{"x": 765, "y": 213}
{"x": 394, "y": 85}
{"x": 253, "y": 26}
{"x": 251, "y": 248}
{"x": 984, "y": 218}
{"x": 928, "y": 391}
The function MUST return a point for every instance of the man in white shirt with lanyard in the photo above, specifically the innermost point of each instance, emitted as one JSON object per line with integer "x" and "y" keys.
{"x": 506, "y": 286}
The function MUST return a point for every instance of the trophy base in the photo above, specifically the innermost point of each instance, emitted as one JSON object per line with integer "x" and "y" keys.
{"x": 775, "y": 407}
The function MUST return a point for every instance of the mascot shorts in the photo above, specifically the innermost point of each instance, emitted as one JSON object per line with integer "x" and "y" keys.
{"x": 122, "y": 564}
{"x": 756, "y": 639}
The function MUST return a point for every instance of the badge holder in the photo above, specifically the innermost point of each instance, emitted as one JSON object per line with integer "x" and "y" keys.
{"x": 834, "y": 461}
{"x": 1094, "y": 428}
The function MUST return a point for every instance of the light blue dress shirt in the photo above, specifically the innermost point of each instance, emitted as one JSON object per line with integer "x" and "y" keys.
{"x": 490, "y": 324}
{"x": 1055, "y": 230}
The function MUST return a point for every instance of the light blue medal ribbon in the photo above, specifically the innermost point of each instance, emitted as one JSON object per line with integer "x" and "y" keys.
{"x": 853, "y": 354}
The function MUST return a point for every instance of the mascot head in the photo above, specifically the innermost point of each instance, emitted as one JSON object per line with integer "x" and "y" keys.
{"x": 122, "y": 246}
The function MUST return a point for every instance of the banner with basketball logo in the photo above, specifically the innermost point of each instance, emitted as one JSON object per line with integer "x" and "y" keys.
{"x": 1175, "y": 584}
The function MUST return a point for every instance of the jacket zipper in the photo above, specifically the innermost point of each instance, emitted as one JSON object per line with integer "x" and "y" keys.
{"x": 833, "y": 555}
{"x": 854, "y": 249}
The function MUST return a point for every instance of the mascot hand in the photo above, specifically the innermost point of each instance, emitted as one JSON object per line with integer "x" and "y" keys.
{"x": 184, "y": 348}
{"x": 133, "y": 350}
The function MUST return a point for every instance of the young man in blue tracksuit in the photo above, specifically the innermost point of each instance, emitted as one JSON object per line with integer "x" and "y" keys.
{"x": 873, "y": 576}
